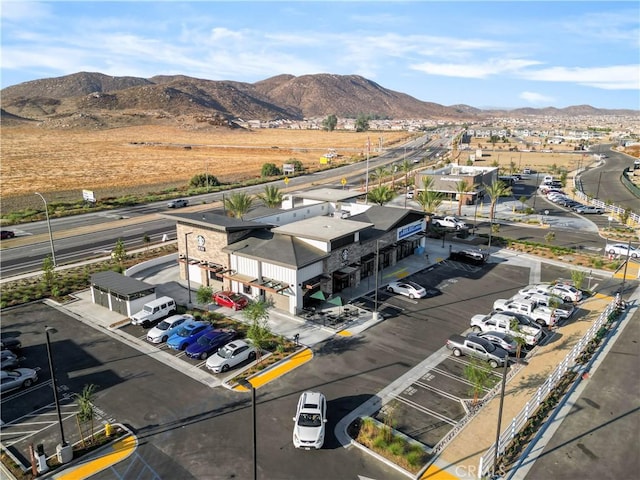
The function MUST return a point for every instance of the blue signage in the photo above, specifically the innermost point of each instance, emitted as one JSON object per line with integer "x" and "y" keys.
{"x": 409, "y": 230}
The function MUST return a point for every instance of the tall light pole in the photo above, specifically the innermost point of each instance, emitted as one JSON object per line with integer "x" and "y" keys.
{"x": 64, "y": 450}
{"x": 248, "y": 385}
{"x": 598, "y": 188}
{"x": 502, "y": 390}
{"x": 366, "y": 179}
{"x": 46, "y": 212}
{"x": 375, "y": 295}
{"x": 186, "y": 254}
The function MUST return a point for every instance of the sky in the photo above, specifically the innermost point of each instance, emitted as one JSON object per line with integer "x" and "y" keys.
{"x": 500, "y": 54}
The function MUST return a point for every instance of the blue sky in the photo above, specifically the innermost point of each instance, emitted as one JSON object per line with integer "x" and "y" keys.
{"x": 505, "y": 54}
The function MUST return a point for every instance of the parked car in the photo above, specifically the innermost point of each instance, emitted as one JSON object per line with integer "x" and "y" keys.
{"x": 188, "y": 334}
{"x": 477, "y": 347}
{"x": 568, "y": 293}
{"x": 8, "y": 360}
{"x": 310, "y": 420}
{"x": 469, "y": 255}
{"x": 10, "y": 343}
{"x": 233, "y": 300}
{"x": 557, "y": 304}
{"x": 166, "y": 328}
{"x": 178, "y": 203}
{"x": 500, "y": 339}
{"x": 6, "y": 234}
{"x": 230, "y": 355}
{"x": 209, "y": 343}
{"x": 507, "y": 323}
{"x": 408, "y": 289}
{"x": 152, "y": 312}
{"x": 622, "y": 249}
{"x": 588, "y": 209}
{"x": 18, "y": 378}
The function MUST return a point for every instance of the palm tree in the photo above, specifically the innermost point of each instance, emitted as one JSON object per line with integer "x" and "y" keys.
{"x": 238, "y": 204}
{"x": 380, "y": 173}
{"x": 85, "y": 408}
{"x": 477, "y": 373}
{"x": 496, "y": 190}
{"x": 381, "y": 195}
{"x": 462, "y": 188}
{"x": 429, "y": 200}
{"x": 272, "y": 196}
{"x": 405, "y": 167}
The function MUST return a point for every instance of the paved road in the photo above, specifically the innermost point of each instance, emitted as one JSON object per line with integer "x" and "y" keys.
{"x": 604, "y": 182}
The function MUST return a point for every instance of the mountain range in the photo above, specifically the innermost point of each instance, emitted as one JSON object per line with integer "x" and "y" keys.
{"x": 98, "y": 100}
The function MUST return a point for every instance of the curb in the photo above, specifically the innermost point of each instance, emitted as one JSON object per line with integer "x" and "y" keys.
{"x": 305, "y": 354}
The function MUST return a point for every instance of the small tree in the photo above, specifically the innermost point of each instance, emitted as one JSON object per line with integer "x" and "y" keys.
{"x": 49, "y": 275}
{"x": 85, "y": 409}
{"x": 146, "y": 240}
{"x": 204, "y": 294}
{"x": 256, "y": 312}
{"x": 624, "y": 216}
{"x": 518, "y": 337}
{"x": 478, "y": 374}
{"x": 362, "y": 123}
{"x": 238, "y": 204}
{"x": 549, "y": 237}
{"x": 203, "y": 180}
{"x": 271, "y": 197}
{"x": 270, "y": 170}
{"x": 329, "y": 123}
{"x": 578, "y": 276}
{"x": 119, "y": 253}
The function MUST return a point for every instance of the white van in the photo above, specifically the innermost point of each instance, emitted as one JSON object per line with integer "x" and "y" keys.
{"x": 153, "y": 311}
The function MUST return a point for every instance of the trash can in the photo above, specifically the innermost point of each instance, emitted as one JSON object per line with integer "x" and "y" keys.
{"x": 108, "y": 429}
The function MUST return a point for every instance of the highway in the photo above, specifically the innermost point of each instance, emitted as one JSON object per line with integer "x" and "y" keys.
{"x": 93, "y": 235}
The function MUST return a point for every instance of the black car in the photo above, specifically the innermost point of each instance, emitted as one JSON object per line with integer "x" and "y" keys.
{"x": 4, "y": 234}
{"x": 10, "y": 343}
{"x": 470, "y": 256}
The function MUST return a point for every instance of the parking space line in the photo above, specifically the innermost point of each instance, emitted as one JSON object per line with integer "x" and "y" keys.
{"x": 438, "y": 391}
{"x": 422, "y": 409}
{"x": 463, "y": 362}
{"x": 451, "y": 376}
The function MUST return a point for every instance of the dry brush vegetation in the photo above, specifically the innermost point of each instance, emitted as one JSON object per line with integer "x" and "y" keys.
{"x": 151, "y": 158}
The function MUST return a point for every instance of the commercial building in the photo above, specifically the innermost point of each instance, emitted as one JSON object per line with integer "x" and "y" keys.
{"x": 323, "y": 240}
{"x": 446, "y": 179}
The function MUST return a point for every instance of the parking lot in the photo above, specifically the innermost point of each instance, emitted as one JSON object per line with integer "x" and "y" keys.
{"x": 176, "y": 414}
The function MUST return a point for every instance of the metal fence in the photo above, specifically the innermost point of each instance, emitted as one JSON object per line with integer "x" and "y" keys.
{"x": 519, "y": 421}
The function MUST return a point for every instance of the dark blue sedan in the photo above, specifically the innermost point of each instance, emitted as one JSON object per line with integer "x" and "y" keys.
{"x": 210, "y": 342}
{"x": 189, "y": 333}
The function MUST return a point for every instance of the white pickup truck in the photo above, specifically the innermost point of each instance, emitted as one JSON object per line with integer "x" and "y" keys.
{"x": 543, "y": 316}
{"x": 449, "y": 222}
{"x": 503, "y": 322}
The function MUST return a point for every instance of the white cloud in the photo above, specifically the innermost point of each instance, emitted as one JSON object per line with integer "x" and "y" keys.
{"x": 536, "y": 98}
{"x": 30, "y": 11}
{"x": 221, "y": 33}
{"x": 617, "y": 77}
{"x": 474, "y": 70}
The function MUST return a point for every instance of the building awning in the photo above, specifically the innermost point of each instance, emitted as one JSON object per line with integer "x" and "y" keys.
{"x": 238, "y": 277}
{"x": 347, "y": 270}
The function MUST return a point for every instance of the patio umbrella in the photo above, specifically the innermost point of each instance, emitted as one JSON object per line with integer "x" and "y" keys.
{"x": 319, "y": 295}
{"x": 337, "y": 300}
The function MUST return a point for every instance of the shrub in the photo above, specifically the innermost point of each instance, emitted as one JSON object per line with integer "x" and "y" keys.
{"x": 270, "y": 170}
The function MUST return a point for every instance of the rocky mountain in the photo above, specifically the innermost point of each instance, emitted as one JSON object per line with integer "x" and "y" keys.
{"x": 98, "y": 100}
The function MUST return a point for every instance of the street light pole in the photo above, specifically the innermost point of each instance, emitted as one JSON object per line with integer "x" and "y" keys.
{"x": 375, "y": 295}
{"x": 248, "y": 385}
{"x": 502, "y": 391}
{"x": 46, "y": 212}
{"x": 186, "y": 254}
{"x": 598, "y": 188}
{"x": 63, "y": 442}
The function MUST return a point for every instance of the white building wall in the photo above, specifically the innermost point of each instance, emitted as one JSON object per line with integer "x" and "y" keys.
{"x": 245, "y": 266}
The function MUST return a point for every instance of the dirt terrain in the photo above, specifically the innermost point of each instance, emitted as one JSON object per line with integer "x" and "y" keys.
{"x": 61, "y": 163}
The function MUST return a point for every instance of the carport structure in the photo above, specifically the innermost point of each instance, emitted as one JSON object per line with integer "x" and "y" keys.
{"x": 120, "y": 293}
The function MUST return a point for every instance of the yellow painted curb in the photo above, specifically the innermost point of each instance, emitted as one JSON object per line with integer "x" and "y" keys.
{"x": 286, "y": 366}
{"x": 437, "y": 473}
{"x": 118, "y": 452}
{"x": 344, "y": 333}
